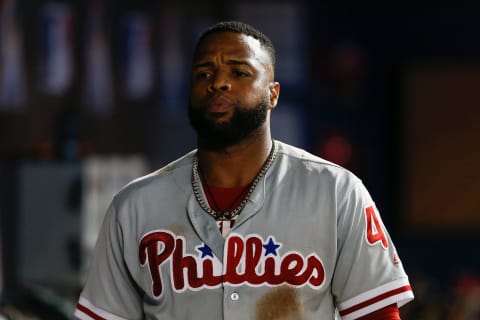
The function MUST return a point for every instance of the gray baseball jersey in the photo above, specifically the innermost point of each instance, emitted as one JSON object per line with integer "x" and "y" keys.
{"x": 309, "y": 244}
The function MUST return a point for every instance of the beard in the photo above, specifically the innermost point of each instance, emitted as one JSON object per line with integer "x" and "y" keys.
{"x": 215, "y": 135}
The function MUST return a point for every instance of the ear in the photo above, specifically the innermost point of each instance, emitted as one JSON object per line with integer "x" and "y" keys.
{"x": 274, "y": 89}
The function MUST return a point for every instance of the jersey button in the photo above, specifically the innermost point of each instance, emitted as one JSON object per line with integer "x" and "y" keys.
{"x": 234, "y": 296}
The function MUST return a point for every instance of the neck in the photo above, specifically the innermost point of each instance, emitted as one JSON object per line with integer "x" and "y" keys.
{"x": 235, "y": 165}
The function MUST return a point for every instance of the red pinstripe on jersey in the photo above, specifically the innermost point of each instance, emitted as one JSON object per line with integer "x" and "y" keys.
{"x": 89, "y": 312}
{"x": 85, "y": 310}
{"x": 375, "y": 299}
{"x": 388, "y": 313}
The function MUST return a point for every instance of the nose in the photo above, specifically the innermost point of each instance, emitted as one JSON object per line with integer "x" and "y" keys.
{"x": 220, "y": 83}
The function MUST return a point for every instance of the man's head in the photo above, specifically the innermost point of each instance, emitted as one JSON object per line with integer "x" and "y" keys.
{"x": 243, "y": 28}
{"x": 232, "y": 84}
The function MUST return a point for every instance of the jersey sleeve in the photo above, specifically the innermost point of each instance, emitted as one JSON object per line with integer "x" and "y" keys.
{"x": 368, "y": 273}
{"x": 109, "y": 292}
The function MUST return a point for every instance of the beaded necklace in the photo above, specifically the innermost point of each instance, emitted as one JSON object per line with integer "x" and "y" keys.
{"x": 223, "y": 215}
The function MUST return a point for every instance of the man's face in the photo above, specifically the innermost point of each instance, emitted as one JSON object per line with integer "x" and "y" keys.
{"x": 231, "y": 88}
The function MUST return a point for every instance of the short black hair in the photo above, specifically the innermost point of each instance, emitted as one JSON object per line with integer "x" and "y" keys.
{"x": 243, "y": 28}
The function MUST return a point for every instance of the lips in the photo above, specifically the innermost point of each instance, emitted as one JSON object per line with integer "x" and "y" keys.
{"x": 218, "y": 105}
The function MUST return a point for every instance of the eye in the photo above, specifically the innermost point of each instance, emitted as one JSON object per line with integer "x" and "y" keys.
{"x": 240, "y": 74}
{"x": 203, "y": 75}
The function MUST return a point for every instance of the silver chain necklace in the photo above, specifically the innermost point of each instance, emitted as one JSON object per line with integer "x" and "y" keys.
{"x": 228, "y": 215}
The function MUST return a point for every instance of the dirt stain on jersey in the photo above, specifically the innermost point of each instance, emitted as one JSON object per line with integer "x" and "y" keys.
{"x": 178, "y": 229}
{"x": 280, "y": 303}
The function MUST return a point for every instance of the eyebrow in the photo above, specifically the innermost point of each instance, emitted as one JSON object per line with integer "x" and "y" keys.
{"x": 229, "y": 62}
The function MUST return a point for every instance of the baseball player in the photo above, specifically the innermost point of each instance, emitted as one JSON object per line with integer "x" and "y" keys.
{"x": 243, "y": 227}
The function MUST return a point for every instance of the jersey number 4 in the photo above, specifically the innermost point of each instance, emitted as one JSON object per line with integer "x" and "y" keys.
{"x": 374, "y": 230}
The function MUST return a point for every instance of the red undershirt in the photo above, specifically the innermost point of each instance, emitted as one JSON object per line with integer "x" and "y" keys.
{"x": 225, "y": 198}
{"x": 230, "y": 198}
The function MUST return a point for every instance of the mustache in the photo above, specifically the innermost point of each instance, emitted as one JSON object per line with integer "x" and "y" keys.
{"x": 215, "y": 98}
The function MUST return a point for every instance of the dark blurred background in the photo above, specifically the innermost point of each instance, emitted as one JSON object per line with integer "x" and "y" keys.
{"x": 94, "y": 93}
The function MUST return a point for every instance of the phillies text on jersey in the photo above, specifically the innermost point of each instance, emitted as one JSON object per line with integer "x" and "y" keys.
{"x": 251, "y": 261}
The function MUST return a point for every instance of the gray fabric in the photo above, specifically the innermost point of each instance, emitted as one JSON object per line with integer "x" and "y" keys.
{"x": 313, "y": 209}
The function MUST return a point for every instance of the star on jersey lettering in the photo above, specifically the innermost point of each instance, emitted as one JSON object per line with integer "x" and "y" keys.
{"x": 271, "y": 247}
{"x": 205, "y": 250}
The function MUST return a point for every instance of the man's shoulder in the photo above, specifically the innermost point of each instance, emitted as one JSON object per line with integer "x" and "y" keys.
{"x": 170, "y": 176}
{"x": 313, "y": 165}
{"x": 303, "y": 156}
